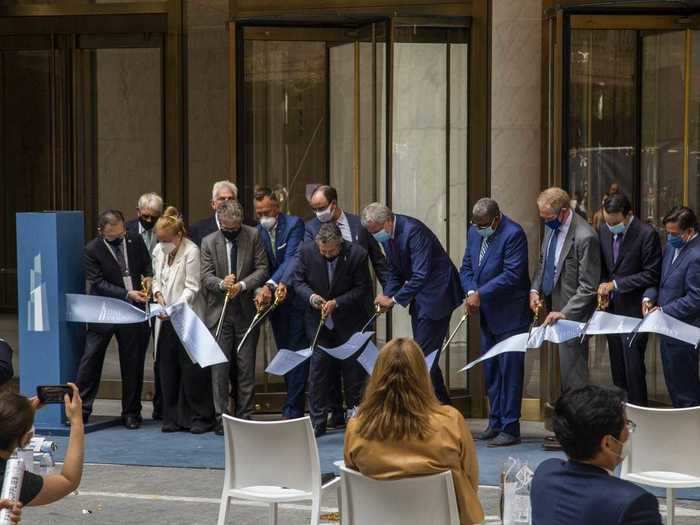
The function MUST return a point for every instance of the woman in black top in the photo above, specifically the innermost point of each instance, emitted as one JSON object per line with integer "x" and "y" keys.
{"x": 16, "y": 423}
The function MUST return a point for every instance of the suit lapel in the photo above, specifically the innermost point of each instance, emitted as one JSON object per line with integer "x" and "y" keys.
{"x": 340, "y": 264}
{"x": 242, "y": 251}
{"x": 493, "y": 240}
{"x": 221, "y": 255}
{"x": 627, "y": 241}
{"x": 674, "y": 265}
{"x": 568, "y": 243}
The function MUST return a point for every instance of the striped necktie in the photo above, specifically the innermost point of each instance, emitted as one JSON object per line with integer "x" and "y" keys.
{"x": 482, "y": 252}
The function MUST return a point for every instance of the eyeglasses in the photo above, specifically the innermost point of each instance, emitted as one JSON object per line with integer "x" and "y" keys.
{"x": 631, "y": 426}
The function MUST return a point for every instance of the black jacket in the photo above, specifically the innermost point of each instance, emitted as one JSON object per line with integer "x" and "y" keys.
{"x": 6, "y": 370}
{"x": 351, "y": 287}
{"x": 201, "y": 229}
{"x": 638, "y": 266}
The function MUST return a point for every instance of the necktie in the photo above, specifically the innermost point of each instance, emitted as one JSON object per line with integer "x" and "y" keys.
{"x": 330, "y": 266}
{"x": 234, "y": 257}
{"x": 550, "y": 265}
{"x": 482, "y": 252}
{"x": 119, "y": 254}
{"x": 617, "y": 240}
{"x": 273, "y": 242}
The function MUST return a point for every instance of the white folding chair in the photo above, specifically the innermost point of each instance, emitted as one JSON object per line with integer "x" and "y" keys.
{"x": 665, "y": 450}
{"x": 421, "y": 500}
{"x": 272, "y": 462}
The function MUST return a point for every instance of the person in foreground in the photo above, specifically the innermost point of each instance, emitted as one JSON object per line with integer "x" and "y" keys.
{"x": 16, "y": 429}
{"x": 591, "y": 425}
{"x": 401, "y": 430}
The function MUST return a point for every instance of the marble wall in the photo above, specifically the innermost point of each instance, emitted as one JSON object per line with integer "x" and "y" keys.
{"x": 516, "y": 91}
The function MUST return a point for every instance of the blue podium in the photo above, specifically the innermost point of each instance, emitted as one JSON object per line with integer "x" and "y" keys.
{"x": 49, "y": 265}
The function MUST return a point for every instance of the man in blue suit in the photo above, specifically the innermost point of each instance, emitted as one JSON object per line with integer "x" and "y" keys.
{"x": 281, "y": 236}
{"x": 422, "y": 277}
{"x": 591, "y": 425}
{"x": 495, "y": 279}
{"x": 678, "y": 295}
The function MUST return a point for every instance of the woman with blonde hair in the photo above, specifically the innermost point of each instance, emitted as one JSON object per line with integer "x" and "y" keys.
{"x": 401, "y": 430}
{"x": 187, "y": 397}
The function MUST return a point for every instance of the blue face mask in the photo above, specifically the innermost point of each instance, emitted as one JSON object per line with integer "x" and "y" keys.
{"x": 676, "y": 241}
{"x": 554, "y": 224}
{"x": 618, "y": 229}
{"x": 487, "y": 231}
{"x": 382, "y": 235}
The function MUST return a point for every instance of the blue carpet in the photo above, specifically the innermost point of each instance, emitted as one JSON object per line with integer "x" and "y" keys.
{"x": 148, "y": 446}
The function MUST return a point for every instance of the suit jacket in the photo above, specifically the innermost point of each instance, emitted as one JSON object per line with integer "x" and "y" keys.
{"x": 449, "y": 447}
{"x": 289, "y": 236}
{"x": 577, "y": 276}
{"x": 351, "y": 287}
{"x": 502, "y": 279}
{"x": 638, "y": 266}
{"x": 6, "y": 370}
{"x": 361, "y": 236}
{"x": 251, "y": 268}
{"x": 572, "y": 493}
{"x": 201, "y": 229}
{"x": 422, "y": 274}
{"x": 102, "y": 271}
{"x": 183, "y": 281}
{"x": 679, "y": 289}
{"x": 133, "y": 227}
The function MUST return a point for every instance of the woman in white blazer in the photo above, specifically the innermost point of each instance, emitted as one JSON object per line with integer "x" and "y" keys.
{"x": 187, "y": 396}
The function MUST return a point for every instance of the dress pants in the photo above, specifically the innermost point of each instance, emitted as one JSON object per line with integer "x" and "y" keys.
{"x": 186, "y": 394}
{"x": 430, "y": 336}
{"x": 627, "y": 366}
{"x": 133, "y": 342}
{"x": 573, "y": 358}
{"x": 235, "y": 378}
{"x": 321, "y": 371}
{"x": 504, "y": 382}
{"x": 680, "y": 362}
{"x": 289, "y": 332}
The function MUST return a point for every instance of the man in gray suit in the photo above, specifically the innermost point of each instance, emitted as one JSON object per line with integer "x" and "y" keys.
{"x": 567, "y": 278}
{"x": 233, "y": 261}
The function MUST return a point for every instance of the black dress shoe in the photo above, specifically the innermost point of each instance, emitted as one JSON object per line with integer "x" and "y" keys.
{"x": 504, "y": 440}
{"x": 337, "y": 420}
{"x": 319, "y": 430}
{"x": 132, "y": 422}
{"x": 489, "y": 433}
{"x": 169, "y": 427}
{"x": 201, "y": 427}
{"x": 219, "y": 427}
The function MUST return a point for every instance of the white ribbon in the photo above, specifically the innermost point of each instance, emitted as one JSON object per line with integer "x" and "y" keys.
{"x": 659, "y": 322}
{"x": 197, "y": 340}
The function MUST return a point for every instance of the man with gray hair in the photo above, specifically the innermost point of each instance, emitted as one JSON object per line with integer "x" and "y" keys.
{"x": 222, "y": 191}
{"x": 567, "y": 278}
{"x": 332, "y": 278}
{"x": 421, "y": 277}
{"x": 233, "y": 262}
{"x": 148, "y": 210}
{"x": 495, "y": 281}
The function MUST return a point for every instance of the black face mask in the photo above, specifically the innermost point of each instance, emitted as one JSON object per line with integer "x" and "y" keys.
{"x": 115, "y": 242}
{"x": 147, "y": 225}
{"x": 231, "y": 235}
{"x": 331, "y": 259}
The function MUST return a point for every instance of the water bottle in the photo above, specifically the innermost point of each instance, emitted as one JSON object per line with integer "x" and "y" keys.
{"x": 11, "y": 486}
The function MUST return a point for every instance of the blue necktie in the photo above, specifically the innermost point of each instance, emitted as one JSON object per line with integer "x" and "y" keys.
{"x": 550, "y": 265}
{"x": 482, "y": 252}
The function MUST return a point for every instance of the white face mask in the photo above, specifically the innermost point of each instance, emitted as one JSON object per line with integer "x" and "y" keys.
{"x": 325, "y": 215}
{"x": 167, "y": 247}
{"x": 625, "y": 450}
{"x": 268, "y": 223}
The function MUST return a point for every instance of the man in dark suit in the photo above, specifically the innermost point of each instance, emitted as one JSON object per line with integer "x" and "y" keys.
{"x": 324, "y": 203}
{"x": 495, "y": 278}
{"x": 678, "y": 295}
{"x": 281, "y": 236}
{"x": 6, "y": 370}
{"x": 233, "y": 260}
{"x": 115, "y": 264}
{"x": 591, "y": 425}
{"x": 149, "y": 209}
{"x": 333, "y": 276}
{"x": 631, "y": 263}
{"x": 422, "y": 277}
{"x": 223, "y": 191}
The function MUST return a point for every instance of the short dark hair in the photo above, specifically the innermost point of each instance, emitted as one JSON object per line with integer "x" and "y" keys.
{"x": 617, "y": 203}
{"x": 109, "y": 217}
{"x": 583, "y": 416}
{"x": 262, "y": 192}
{"x": 329, "y": 192}
{"x": 684, "y": 216}
{"x": 16, "y": 419}
{"x": 329, "y": 232}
